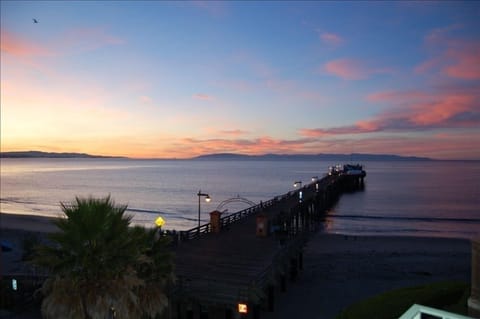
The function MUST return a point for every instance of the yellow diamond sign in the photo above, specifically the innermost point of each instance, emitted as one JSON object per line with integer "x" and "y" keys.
{"x": 159, "y": 221}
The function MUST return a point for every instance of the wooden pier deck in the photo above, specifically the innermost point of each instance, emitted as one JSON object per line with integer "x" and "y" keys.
{"x": 240, "y": 264}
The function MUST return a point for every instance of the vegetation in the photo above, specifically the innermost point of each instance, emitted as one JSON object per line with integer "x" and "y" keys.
{"x": 101, "y": 267}
{"x": 449, "y": 296}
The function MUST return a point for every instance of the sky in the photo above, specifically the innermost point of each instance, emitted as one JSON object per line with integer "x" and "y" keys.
{"x": 181, "y": 79}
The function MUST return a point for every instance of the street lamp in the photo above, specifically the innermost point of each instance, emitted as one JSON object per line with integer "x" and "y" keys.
{"x": 159, "y": 222}
{"x": 300, "y": 193}
{"x": 315, "y": 180}
{"x": 207, "y": 199}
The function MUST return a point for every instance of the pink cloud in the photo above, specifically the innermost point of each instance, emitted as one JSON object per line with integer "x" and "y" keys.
{"x": 21, "y": 47}
{"x": 440, "y": 111}
{"x": 75, "y": 40}
{"x": 451, "y": 108}
{"x": 428, "y": 65}
{"x": 452, "y": 146}
{"x": 358, "y": 128}
{"x": 331, "y": 38}
{"x": 465, "y": 62}
{"x": 458, "y": 61}
{"x": 255, "y": 146}
{"x": 447, "y": 146}
{"x": 350, "y": 69}
{"x": 413, "y": 111}
{"x": 203, "y": 97}
{"x": 236, "y": 132}
{"x": 346, "y": 69}
{"x": 312, "y": 132}
{"x": 397, "y": 96}
{"x": 454, "y": 57}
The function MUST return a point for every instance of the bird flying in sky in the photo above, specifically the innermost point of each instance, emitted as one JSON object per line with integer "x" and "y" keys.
{"x": 35, "y": 20}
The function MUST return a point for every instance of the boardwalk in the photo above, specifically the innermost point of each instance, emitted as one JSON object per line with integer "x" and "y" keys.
{"x": 240, "y": 264}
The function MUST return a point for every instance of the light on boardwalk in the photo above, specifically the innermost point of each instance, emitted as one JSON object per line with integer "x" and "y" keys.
{"x": 159, "y": 221}
{"x": 242, "y": 308}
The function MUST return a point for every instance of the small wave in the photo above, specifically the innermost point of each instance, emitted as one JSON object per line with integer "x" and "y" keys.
{"x": 148, "y": 211}
{"x": 404, "y": 218}
{"x": 406, "y": 232}
{"x": 16, "y": 200}
{"x": 188, "y": 218}
{"x": 179, "y": 215}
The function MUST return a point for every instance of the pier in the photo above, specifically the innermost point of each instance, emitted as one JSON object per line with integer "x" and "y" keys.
{"x": 236, "y": 265}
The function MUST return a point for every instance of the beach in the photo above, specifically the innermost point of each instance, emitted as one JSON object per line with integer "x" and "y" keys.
{"x": 338, "y": 270}
{"x": 29, "y": 223}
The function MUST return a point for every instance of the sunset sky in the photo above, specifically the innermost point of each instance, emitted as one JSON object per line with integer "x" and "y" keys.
{"x": 180, "y": 79}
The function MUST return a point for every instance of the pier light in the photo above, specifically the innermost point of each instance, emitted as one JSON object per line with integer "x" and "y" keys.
{"x": 297, "y": 184}
{"x": 314, "y": 178}
{"x": 207, "y": 199}
{"x": 242, "y": 308}
{"x": 159, "y": 221}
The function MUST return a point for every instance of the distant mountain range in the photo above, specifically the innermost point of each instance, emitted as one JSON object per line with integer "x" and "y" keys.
{"x": 38, "y": 154}
{"x": 231, "y": 156}
{"x": 313, "y": 157}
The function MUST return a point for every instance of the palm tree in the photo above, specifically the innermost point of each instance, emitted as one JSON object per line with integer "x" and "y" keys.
{"x": 100, "y": 266}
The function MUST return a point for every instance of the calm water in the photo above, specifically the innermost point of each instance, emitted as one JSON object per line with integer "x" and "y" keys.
{"x": 406, "y": 198}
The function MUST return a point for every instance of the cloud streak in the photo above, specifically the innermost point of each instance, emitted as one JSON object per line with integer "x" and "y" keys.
{"x": 413, "y": 111}
{"x": 20, "y": 47}
{"x": 71, "y": 41}
{"x": 352, "y": 69}
{"x": 451, "y": 56}
{"x": 203, "y": 97}
{"x": 254, "y": 146}
{"x": 236, "y": 132}
{"x": 331, "y": 39}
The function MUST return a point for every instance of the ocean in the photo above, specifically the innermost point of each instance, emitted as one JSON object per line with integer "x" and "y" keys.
{"x": 411, "y": 198}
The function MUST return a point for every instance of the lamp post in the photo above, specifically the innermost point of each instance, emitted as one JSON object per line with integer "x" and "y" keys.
{"x": 315, "y": 180}
{"x": 300, "y": 193}
{"x": 207, "y": 199}
{"x": 159, "y": 222}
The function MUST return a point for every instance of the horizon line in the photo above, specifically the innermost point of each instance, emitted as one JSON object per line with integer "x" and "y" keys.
{"x": 88, "y": 155}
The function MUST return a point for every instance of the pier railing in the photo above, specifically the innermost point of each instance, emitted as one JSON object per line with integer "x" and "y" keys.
{"x": 232, "y": 218}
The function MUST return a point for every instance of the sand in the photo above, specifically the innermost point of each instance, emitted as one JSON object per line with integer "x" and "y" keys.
{"x": 26, "y": 222}
{"x": 338, "y": 270}
{"x": 341, "y": 270}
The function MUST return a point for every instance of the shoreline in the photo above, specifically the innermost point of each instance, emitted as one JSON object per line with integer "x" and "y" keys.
{"x": 43, "y": 224}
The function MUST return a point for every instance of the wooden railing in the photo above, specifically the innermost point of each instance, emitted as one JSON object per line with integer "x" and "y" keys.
{"x": 230, "y": 219}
